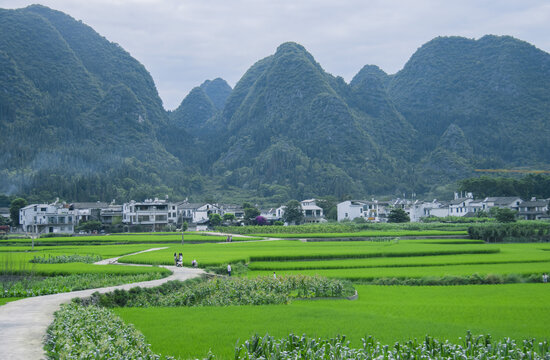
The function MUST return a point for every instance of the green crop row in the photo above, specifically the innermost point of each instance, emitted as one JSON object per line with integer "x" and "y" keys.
{"x": 509, "y": 253}
{"x": 225, "y": 292}
{"x": 121, "y": 239}
{"x": 63, "y": 259}
{"x": 217, "y": 254}
{"x": 370, "y": 274}
{"x": 35, "y": 286}
{"x": 365, "y": 233}
{"x": 482, "y": 347}
{"x": 340, "y": 228}
{"x": 94, "y": 333}
{"x": 533, "y": 231}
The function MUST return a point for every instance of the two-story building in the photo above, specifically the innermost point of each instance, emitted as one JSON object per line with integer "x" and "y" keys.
{"x": 533, "y": 209}
{"x": 368, "y": 210}
{"x": 151, "y": 214}
{"x": 47, "y": 218}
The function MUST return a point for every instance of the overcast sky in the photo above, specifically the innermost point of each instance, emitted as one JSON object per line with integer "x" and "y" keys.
{"x": 184, "y": 42}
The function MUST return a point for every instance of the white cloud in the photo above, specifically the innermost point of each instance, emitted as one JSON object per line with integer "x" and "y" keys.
{"x": 184, "y": 42}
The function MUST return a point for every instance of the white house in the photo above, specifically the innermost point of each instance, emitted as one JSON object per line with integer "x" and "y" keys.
{"x": 47, "y": 218}
{"x": 154, "y": 214}
{"x": 368, "y": 210}
{"x": 197, "y": 213}
{"x": 312, "y": 212}
{"x": 419, "y": 209}
{"x": 270, "y": 215}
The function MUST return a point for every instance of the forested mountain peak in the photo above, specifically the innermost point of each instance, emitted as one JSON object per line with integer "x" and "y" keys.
{"x": 82, "y": 115}
{"x": 82, "y": 120}
{"x": 218, "y": 90}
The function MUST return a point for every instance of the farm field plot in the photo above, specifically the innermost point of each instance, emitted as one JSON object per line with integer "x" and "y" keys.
{"x": 390, "y": 313}
{"x": 147, "y": 238}
{"x": 367, "y": 233}
{"x": 216, "y": 254}
{"x": 365, "y": 274}
{"x": 509, "y": 253}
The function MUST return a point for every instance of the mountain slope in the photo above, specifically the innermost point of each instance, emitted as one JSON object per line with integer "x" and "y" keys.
{"x": 84, "y": 117}
{"x": 496, "y": 89}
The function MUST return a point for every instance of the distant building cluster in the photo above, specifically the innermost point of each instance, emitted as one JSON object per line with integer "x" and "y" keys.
{"x": 157, "y": 215}
{"x": 148, "y": 215}
{"x": 377, "y": 211}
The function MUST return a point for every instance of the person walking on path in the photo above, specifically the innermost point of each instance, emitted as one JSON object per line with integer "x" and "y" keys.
{"x": 175, "y": 259}
{"x": 545, "y": 278}
{"x": 274, "y": 275}
{"x": 229, "y": 269}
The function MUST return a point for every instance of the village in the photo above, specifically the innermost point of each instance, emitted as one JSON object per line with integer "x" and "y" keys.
{"x": 162, "y": 215}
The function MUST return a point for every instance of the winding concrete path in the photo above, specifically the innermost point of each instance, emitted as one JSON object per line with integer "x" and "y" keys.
{"x": 23, "y": 323}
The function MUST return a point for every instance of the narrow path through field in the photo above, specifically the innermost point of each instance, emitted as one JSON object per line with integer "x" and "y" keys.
{"x": 23, "y": 323}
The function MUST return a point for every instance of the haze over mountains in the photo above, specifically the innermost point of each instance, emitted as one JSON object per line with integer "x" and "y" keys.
{"x": 82, "y": 120}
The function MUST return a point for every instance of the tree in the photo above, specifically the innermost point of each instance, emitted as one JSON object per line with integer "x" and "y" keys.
{"x": 250, "y": 213}
{"x": 398, "y": 216}
{"x": 91, "y": 225}
{"x": 215, "y": 219}
{"x": 260, "y": 220}
{"x": 230, "y": 217}
{"x": 328, "y": 204}
{"x": 293, "y": 212}
{"x": 16, "y": 205}
{"x": 505, "y": 215}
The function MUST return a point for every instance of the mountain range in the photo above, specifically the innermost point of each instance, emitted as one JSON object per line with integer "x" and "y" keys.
{"x": 81, "y": 119}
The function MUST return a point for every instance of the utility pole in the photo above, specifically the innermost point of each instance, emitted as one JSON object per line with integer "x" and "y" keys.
{"x": 154, "y": 217}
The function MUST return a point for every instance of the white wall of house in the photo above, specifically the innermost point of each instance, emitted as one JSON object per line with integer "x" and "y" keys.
{"x": 45, "y": 218}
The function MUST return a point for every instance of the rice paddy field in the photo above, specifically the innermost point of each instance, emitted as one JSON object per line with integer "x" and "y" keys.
{"x": 516, "y": 309}
{"x": 390, "y": 313}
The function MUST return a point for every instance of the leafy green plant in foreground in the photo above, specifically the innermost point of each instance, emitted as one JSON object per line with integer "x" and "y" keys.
{"x": 94, "y": 333}
{"x": 473, "y": 347}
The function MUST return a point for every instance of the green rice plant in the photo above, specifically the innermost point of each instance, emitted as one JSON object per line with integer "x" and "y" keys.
{"x": 94, "y": 333}
{"x": 224, "y": 253}
{"x": 364, "y": 234}
{"x": 149, "y": 238}
{"x": 508, "y": 254}
{"x": 522, "y": 270}
{"x": 391, "y": 313}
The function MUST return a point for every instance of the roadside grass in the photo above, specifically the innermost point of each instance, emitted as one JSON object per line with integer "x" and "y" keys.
{"x": 217, "y": 254}
{"x": 390, "y": 313}
{"x": 8, "y": 299}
